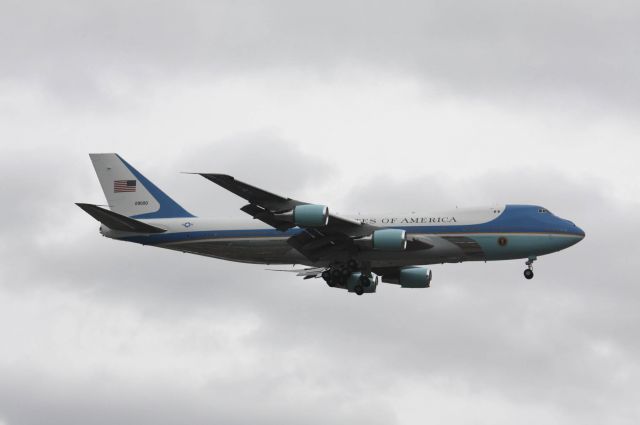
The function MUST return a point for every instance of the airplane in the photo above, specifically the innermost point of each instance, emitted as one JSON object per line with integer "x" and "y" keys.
{"x": 347, "y": 252}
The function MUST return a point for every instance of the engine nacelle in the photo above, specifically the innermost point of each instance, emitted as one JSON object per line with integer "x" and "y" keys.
{"x": 415, "y": 277}
{"x": 311, "y": 215}
{"x": 357, "y": 281}
{"x": 389, "y": 240}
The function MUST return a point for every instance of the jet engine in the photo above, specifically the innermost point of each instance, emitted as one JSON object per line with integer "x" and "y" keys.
{"x": 306, "y": 215}
{"x": 385, "y": 240}
{"x": 389, "y": 240}
{"x": 415, "y": 277}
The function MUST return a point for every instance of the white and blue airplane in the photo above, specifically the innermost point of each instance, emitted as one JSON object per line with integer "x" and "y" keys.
{"x": 348, "y": 252}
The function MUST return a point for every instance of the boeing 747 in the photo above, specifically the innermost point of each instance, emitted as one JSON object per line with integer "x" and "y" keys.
{"x": 347, "y": 252}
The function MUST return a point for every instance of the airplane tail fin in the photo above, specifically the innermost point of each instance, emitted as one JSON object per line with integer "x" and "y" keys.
{"x": 131, "y": 194}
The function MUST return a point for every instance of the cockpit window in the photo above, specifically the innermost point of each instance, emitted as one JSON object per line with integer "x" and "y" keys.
{"x": 544, "y": 211}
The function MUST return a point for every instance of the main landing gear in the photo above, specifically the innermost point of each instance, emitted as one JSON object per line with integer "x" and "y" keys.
{"x": 326, "y": 275}
{"x": 339, "y": 275}
{"x": 528, "y": 273}
{"x": 364, "y": 282}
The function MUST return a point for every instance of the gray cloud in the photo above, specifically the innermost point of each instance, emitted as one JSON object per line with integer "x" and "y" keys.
{"x": 529, "y": 51}
{"x": 276, "y": 164}
{"x": 106, "y": 399}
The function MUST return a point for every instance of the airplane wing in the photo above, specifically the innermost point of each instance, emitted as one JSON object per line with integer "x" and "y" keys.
{"x": 266, "y": 205}
{"x": 336, "y": 233}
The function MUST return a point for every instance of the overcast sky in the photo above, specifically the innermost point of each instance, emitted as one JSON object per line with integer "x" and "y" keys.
{"x": 362, "y": 105}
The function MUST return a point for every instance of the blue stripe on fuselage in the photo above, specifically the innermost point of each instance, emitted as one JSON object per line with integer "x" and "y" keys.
{"x": 514, "y": 219}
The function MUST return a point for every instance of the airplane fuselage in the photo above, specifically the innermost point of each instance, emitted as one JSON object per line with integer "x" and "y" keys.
{"x": 347, "y": 252}
{"x": 480, "y": 234}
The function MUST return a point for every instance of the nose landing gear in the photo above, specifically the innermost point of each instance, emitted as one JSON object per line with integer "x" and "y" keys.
{"x": 528, "y": 273}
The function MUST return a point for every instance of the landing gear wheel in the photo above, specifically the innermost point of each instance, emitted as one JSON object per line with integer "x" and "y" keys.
{"x": 528, "y": 273}
{"x": 326, "y": 275}
{"x": 337, "y": 278}
{"x": 344, "y": 275}
{"x": 364, "y": 281}
{"x": 352, "y": 265}
{"x": 358, "y": 290}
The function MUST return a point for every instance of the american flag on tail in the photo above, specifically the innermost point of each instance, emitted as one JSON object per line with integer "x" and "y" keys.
{"x": 124, "y": 186}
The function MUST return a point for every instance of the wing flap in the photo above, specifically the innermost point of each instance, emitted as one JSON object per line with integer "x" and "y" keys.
{"x": 308, "y": 273}
{"x": 267, "y": 217}
{"x": 417, "y": 242}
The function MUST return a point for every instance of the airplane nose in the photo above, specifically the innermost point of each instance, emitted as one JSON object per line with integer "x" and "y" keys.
{"x": 574, "y": 230}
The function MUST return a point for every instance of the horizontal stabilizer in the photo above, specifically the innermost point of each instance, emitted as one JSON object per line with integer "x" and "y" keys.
{"x": 117, "y": 221}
